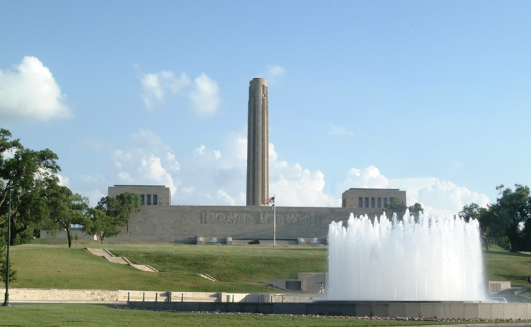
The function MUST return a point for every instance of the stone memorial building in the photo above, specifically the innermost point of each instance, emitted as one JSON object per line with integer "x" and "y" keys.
{"x": 159, "y": 221}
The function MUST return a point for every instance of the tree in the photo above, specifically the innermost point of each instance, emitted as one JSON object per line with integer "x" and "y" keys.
{"x": 66, "y": 208}
{"x": 510, "y": 213}
{"x": 474, "y": 211}
{"x": 3, "y": 264}
{"x": 415, "y": 210}
{"x": 99, "y": 224}
{"x": 27, "y": 174}
{"x": 395, "y": 205}
{"x": 110, "y": 214}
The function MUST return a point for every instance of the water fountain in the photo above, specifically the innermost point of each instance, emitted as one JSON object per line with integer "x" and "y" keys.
{"x": 431, "y": 259}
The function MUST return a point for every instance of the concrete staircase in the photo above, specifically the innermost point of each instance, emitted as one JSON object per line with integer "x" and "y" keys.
{"x": 207, "y": 277}
{"x": 107, "y": 255}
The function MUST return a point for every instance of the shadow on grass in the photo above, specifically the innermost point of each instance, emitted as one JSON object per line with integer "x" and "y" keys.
{"x": 507, "y": 253}
{"x": 513, "y": 277}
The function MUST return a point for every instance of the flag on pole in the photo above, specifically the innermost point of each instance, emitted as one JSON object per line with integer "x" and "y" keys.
{"x": 270, "y": 200}
{"x": 273, "y": 207}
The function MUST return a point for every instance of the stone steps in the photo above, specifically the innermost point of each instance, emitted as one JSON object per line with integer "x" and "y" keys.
{"x": 207, "y": 277}
{"x": 107, "y": 255}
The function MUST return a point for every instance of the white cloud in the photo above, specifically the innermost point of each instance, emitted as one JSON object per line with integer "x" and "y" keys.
{"x": 295, "y": 186}
{"x": 273, "y": 73}
{"x": 369, "y": 177}
{"x": 125, "y": 177}
{"x": 200, "y": 150}
{"x": 156, "y": 84}
{"x": 205, "y": 98}
{"x": 203, "y": 95}
{"x": 173, "y": 163}
{"x": 30, "y": 92}
{"x": 63, "y": 180}
{"x": 204, "y": 177}
{"x": 224, "y": 196}
{"x": 94, "y": 196}
{"x": 146, "y": 160}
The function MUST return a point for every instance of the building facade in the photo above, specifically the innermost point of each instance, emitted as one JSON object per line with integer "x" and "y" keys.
{"x": 371, "y": 198}
{"x": 163, "y": 222}
{"x": 150, "y": 195}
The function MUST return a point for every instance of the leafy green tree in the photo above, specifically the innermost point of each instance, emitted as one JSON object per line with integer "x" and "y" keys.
{"x": 485, "y": 218}
{"x": 27, "y": 174}
{"x": 415, "y": 210}
{"x": 3, "y": 264}
{"x": 110, "y": 214}
{"x": 510, "y": 213}
{"x": 397, "y": 206}
{"x": 98, "y": 224}
{"x": 66, "y": 208}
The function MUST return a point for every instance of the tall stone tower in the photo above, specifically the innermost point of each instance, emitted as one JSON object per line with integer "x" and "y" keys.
{"x": 258, "y": 144}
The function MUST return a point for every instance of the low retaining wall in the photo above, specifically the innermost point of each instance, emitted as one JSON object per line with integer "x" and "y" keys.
{"x": 36, "y": 294}
{"x": 51, "y": 295}
{"x": 449, "y": 310}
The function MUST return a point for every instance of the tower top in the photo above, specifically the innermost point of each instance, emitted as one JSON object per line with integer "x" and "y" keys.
{"x": 259, "y": 80}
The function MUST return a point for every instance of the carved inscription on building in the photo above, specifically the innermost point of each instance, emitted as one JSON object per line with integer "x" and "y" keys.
{"x": 233, "y": 218}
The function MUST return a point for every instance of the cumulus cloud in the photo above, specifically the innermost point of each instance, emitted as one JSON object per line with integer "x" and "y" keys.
{"x": 203, "y": 93}
{"x": 63, "y": 180}
{"x": 146, "y": 160}
{"x": 436, "y": 196}
{"x": 204, "y": 99}
{"x": 295, "y": 186}
{"x": 200, "y": 150}
{"x": 30, "y": 92}
{"x": 156, "y": 84}
{"x": 224, "y": 196}
{"x": 273, "y": 73}
{"x": 94, "y": 196}
{"x": 205, "y": 177}
{"x": 369, "y": 177}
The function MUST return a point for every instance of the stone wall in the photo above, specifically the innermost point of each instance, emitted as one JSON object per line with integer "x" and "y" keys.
{"x": 35, "y": 294}
{"x": 183, "y": 223}
{"x": 70, "y": 295}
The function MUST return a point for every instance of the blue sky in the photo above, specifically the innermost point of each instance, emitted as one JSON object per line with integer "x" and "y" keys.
{"x": 430, "y": 97}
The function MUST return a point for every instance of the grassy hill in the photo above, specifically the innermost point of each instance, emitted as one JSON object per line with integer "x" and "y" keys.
{"x": 49, "y": 263}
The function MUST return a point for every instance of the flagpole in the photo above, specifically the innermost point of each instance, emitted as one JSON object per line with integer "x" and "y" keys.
{"x": 274, "y": 222}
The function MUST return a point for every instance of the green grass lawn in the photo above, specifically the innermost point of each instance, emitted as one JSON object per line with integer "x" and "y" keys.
{"x": 502, "y": 265}
{"x": 49, "y": 263}
{"x": 102, "y": 315}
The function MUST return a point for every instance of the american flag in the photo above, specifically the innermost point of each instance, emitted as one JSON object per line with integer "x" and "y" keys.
{"x": 270, "y": 200}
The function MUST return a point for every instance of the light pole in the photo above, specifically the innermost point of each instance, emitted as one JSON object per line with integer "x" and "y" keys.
{"x": 6, "y": 299}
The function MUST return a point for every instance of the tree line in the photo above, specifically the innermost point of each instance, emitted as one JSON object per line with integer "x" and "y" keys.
{"x": 30, "y": 188}
{"x": 506, "y": 220}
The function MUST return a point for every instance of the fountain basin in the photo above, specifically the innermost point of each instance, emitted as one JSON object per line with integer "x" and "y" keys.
{"x": 391, "y": 309}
